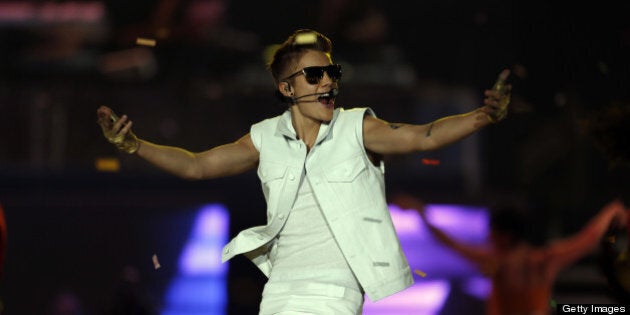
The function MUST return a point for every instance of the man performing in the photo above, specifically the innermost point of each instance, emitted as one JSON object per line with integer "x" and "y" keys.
{"x": 329, "y": 237}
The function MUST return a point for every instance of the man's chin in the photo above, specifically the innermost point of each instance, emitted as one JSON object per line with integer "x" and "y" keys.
{"x": 326, "y": 120}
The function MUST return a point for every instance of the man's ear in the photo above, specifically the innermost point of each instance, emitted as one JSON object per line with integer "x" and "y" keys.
{"x": 285, "y": 88}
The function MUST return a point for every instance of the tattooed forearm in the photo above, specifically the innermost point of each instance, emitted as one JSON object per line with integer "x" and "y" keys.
{"x": 429, "y": 131}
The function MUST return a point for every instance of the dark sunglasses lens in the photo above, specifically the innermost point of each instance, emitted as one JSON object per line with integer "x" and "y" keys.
{"x": 313, "y": 74}
{"x": 334, "y": 72}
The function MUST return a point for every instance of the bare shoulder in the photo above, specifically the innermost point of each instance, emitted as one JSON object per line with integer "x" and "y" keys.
{"x": 246, "y": 143}
{"x": 246, "y": 140}
{"x": 371, "y": 123}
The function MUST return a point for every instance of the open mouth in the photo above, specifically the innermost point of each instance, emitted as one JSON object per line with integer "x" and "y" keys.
{"x": 328, "y": 101}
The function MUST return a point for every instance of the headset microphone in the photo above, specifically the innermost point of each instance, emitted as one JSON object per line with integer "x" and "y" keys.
{"x": 331, "y": 93}
{"x": 294, "y": 100}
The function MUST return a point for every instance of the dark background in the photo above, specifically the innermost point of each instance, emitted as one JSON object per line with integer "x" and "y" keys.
{"x": 73, "y": 228}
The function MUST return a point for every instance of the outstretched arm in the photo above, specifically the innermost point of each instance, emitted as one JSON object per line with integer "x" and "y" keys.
{"x": 476, "y": 254}
{"x": 566, "y": 251}
{"x": 224, "y": 160}
{"x": 395, "y": 138}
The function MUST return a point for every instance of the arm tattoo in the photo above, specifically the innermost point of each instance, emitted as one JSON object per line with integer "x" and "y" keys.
{"x": 429, "y": 131}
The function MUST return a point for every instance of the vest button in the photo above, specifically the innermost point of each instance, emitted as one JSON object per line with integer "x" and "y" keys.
{"x": 281, "y": 217}
{"x": 291, "y": 177}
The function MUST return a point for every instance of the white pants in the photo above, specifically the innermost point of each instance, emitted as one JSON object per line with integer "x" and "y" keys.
{"x": 293, "y": 298}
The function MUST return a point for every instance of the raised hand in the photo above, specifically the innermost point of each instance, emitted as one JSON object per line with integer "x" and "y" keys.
{"x": 117, "y": 130}
{"x": 498, "y": 98}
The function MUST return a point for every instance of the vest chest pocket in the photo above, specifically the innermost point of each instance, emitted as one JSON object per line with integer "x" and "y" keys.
{"x": 271, "y": 176}
{"x": 347, "y": 171}
{"x": 269, "y": 172}
{"x": 349, "y": 180}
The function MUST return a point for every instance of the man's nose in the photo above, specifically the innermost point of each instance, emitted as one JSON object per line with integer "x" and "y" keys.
{"x": 326, "y": 80}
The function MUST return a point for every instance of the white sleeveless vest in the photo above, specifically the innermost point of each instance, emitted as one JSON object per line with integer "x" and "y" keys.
{"x": 349, "y": 189}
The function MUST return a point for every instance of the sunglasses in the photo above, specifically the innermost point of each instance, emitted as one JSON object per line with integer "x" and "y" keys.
{"x": 314, "y": 74}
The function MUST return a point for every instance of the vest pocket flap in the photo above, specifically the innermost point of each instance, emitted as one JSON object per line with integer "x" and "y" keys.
{"x": 271, "y": 172}
{"x": 346, "y": 171}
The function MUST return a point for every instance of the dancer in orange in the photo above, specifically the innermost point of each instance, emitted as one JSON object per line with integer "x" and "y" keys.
{"x": 523, "y": 274}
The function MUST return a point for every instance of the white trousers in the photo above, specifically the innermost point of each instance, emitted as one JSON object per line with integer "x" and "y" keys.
{"x": 293, "y": 298}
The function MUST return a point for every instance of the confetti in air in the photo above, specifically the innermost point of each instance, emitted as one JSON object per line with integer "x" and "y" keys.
{"x": 156, "y": 264}
{"x": 145, "y": 42}
{"x": 420, "y": 273}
